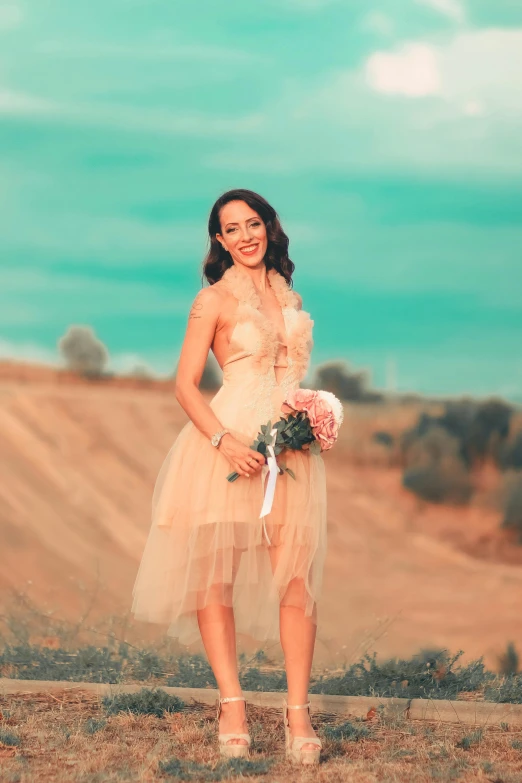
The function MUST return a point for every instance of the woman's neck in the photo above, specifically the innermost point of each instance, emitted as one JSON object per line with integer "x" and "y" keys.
{"x": 259, "y": 277}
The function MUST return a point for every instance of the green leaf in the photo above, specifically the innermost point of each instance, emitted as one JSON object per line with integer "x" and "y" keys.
{"x": 315, "y": 447}
{"x": 232, "y": 476}
{"x": 290, "y": 473}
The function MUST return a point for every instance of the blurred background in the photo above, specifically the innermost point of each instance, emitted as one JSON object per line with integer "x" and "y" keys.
{"x": 388, "y": 136}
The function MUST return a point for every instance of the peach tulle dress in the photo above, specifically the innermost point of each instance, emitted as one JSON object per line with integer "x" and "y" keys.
{"x": 207, "y": 543}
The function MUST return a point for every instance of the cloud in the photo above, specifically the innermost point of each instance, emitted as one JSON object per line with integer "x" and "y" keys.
{"x": 160, "y": 121}
{"x": 11, "y": 16}
{"x": 17, "y": 103}
{"x": 378, "y": 23}
{"x": 413, "y": 70}
{"x": 478, "y": 71}
{"x": 451, "y": 8}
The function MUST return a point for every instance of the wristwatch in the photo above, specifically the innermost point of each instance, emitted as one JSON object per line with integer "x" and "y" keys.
{"x": 216, "y": 438}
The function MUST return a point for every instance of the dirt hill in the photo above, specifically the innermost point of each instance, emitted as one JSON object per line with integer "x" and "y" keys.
{"x": 78, "y": 463}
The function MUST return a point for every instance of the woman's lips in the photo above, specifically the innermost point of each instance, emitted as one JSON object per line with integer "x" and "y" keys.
{"x": 249, "y": 250}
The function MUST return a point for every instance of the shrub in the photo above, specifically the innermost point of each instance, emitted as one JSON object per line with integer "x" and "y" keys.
{"x": 509, "y": 661}
{"x": 181, "y": 769}
{"x": 470, "y": 739}
{"x": 9, "y": 739}
{"x": 383, "y": 438}
{"x": 92, "y": 726}
{"x": 345, "y": 731}
{"x": 147, "y": 701}
{"x": 479, "y": 428}
{"x": 338, "y": 378}
{"x": 509, "y": 690}
{"x": 434, "y": 469}
{"x": 429, "y": 674}
{"x": 513, "y": 505}
{"x": 82, "y": 351}
{"x": 511, "y": 457}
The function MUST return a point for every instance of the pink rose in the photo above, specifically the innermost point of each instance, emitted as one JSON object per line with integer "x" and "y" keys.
{"x": 323, "y": 412}
{"x": 326, "y": 433}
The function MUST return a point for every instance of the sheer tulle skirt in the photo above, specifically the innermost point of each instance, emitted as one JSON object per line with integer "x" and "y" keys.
{"x": 207, "y": 544}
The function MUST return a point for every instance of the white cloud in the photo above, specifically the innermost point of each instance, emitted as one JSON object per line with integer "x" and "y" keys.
{"x": 378, "y": 23}
{"x": 479, "y": 71}
{"x": 164, "y": 122}
{"x": 452, "y": 8}
{"x": 17, "y": 103}
{"x": 11, "y": 16}
{"x": 413, "y": 70}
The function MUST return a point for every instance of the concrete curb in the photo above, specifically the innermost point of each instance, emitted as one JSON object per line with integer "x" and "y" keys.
{"x": 440, "y": 710}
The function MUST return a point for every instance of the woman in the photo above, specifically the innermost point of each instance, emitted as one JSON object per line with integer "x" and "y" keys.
{"x": 211, "y": 565}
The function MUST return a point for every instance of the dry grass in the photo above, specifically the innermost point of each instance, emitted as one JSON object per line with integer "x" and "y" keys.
{"x": 68, "y": 737}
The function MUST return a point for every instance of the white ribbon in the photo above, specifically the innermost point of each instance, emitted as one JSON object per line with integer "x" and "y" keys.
{"x": 272, "y": 470}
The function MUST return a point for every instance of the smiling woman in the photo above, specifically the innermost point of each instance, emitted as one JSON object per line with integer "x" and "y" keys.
{"x": 212, "y": 565}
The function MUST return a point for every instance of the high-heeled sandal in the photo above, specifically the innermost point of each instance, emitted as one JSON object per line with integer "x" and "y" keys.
{"x": 294, "y": 745}
{"x": 234, "y": 749}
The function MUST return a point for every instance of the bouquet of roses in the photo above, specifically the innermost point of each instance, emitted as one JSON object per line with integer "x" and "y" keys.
{"x": 312, "y": 422}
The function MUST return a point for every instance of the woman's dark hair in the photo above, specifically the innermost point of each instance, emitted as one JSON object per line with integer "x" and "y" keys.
{"x": 218, "y": 260}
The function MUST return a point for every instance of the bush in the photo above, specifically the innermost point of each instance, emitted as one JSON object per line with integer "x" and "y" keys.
{"x": 383, "y": 438}
{"x": 479, "y": 428}
{"x": 9, "y": 739}
{"x": 511, "y": 457}
{"x": 513, "y": 505}
{"x": 345, "y": 731}
{"x": 182, "y": 769}
{"x": 429, "y": 674}
{"x": 434, "y": 469}
{"x": 509, "y": 660}
{"x": 338, "y": 378}
{"x": 509, "y": 691}
{"x": 148, "y": 701}
{"x": 83, "y": 352}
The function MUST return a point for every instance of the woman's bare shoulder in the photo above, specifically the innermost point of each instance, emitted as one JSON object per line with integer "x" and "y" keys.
{"x": 299, "y": 299}
{"x": 212, "y": 300}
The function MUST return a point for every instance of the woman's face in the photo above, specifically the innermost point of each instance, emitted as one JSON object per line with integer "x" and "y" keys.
{"x": 243, "y": 234}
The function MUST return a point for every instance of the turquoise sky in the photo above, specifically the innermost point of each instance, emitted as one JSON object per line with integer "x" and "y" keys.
{"x": 388, "y": 135}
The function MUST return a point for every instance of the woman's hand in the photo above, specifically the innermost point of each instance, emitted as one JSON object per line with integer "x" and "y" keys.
{"x": 243, "y": 459}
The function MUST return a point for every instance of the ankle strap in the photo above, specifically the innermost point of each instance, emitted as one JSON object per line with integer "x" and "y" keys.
{"x": 227, "y": 699}
{"x": 297, "y": 706}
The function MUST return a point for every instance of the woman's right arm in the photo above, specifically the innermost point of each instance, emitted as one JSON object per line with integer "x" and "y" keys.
{"x": 201, "y": 328}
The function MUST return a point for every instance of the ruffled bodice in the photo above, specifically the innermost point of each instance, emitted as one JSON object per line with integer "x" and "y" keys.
{"x": 256, "y": 348}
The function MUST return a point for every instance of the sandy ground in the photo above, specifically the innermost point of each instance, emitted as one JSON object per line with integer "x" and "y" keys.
{"x": 78, "y": 463}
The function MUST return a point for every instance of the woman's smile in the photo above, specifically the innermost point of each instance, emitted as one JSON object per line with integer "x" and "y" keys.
{"x": 249, "y": 250}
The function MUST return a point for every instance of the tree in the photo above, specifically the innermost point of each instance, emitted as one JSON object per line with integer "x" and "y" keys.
{"x": 83, "y": 351}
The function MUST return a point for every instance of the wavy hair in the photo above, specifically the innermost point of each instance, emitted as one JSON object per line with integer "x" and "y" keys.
{"x": 218, "y": 260}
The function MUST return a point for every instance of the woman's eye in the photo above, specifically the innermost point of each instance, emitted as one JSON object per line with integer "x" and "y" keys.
{"x": 257, "y": 223}
{"x": 229, "y": 230}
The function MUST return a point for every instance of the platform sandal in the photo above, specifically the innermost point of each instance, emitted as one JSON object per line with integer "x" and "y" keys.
{"x": 294, "y": 745}
{"x": 234, "y": 749}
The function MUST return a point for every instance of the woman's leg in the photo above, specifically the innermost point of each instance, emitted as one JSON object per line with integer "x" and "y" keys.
{"x": 218, "y": 632}
{"x": 298, "y": 641}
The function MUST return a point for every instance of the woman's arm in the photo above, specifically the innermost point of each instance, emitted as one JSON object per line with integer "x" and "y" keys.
{"x": 201, "y": 328}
